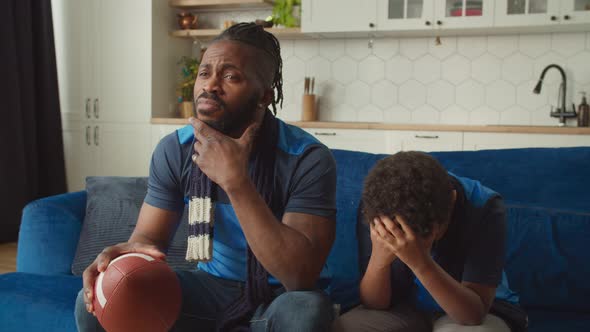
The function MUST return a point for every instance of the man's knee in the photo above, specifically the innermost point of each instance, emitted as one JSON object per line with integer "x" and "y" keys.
{"x": 300, "y": 311}
{"x": 85, "y": 321}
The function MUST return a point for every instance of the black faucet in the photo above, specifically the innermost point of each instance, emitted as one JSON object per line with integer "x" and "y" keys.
{"x": 560, "y": 112}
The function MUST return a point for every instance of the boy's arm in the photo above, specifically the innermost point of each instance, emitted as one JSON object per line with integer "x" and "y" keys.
{"x": 466, "y": 303}
{"x": 375, "y": 287}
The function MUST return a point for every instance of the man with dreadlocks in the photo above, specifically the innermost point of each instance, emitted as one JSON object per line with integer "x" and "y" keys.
{"x": 261, "y": 199}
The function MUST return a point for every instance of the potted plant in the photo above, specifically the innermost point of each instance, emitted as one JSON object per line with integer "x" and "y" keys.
{"x": 287, "y": 13}
{"x": 189, "y": 70}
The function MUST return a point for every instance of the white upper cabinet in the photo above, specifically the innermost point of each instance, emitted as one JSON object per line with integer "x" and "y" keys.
{"x": 575, "y": 11}
{"x": 123, "y": 57}
{"x": 400, "y": 15}
{"x": 530, "y": 12}
{"x": 405, "y": 15}
{"x": 453, "y": 14}
{"x": 338, "y": 15}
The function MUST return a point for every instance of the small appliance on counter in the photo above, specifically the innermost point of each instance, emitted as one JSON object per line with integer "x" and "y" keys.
{"x": 583, "y": 112}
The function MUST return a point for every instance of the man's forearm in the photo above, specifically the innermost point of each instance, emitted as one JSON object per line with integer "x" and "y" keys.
{"x": 459, "y": 302}
{"x": 284, "y": 252}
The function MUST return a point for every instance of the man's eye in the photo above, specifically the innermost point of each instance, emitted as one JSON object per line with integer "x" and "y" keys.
{"x": 230, "y": 76}
{"x": 203, "y": 74}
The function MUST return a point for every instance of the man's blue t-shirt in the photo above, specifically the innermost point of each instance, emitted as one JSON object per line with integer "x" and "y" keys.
{"x": 305, "y": 182}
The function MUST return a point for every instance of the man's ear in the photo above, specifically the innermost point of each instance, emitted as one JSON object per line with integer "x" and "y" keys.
{"x": 267, "y": 98}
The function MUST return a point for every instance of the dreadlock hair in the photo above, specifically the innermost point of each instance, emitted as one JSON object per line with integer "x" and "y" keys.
{"x": 272, "y": 65}
{"x": 413, "y": 185}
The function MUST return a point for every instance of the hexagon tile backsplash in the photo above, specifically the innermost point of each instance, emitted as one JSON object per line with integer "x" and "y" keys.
{"x": 464, "y": 80}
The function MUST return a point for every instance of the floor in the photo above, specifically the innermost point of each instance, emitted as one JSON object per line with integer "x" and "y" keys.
{"x": 7, "y": 257}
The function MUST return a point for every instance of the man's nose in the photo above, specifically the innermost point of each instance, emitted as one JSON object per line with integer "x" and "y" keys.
{"x": 212, "y": 84}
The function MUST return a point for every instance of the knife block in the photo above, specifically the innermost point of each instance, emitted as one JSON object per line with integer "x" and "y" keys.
{"x": 310, "y": 112}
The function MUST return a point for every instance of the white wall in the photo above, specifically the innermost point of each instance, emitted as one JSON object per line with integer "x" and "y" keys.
{"x": 465, "y": 80}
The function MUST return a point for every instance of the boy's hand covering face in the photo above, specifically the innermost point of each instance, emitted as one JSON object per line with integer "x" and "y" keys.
{"x": 395, "y": 239}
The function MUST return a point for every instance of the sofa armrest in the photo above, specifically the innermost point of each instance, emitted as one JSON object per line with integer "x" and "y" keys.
{"x": 49, "y": 233}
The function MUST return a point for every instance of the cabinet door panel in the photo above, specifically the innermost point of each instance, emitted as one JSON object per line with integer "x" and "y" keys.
{"x": 88, "y": 153}
{"x": 450, "y": 14}
{"x": 493, "y": 141}
{"x": 405, "y": 15}
{"x": 124, "y": 61}
{"x": 428, "y": 141}
{"x": 338, "y": 15}
{"x": 526, "y": 12}
{"x": 123, "y": 149}
{"x": 575, "y": 11}
{"x": 373, "y": 141}
{"x": 74, "y": 143}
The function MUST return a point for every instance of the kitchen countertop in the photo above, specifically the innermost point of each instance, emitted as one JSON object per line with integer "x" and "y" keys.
{"x": 516, "y": 129}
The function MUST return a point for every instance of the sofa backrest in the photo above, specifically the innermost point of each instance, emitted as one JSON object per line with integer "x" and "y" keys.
{"x": 548, "y": 217}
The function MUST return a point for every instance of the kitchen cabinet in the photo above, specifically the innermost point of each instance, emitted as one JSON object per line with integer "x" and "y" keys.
{"x": 541, "y": 12}
{"x": 116, "y": 68}
{"x": 434, "y": 14}
{"x": 575, "y": 11}
{"x": 374, "y": 141}
{"x": 338, "y": 15}
{"x": 484, "y": 141}
{"x": 427, "y": 141}
{"x": 388, "y": 141}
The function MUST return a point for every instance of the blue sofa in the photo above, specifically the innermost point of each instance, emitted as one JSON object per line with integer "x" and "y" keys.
{"x": 547, "y": 193}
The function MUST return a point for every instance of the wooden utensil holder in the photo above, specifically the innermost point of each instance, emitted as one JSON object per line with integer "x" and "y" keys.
{"x": 310, "y": 112}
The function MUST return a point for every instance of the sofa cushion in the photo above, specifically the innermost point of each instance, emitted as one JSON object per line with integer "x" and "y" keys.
{"x": 547, "y": 257}
{"x": 351, "y": 167}
{"x": 554, "y": 320}
{"x": 49, "y": 234}
{"x": 34, "y": 302}
{"x": 516, "y": 173}
{"x": 112, "y": 208}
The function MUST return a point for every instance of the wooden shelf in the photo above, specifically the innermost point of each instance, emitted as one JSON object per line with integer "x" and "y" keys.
{"x": 209, "y": 4}
{"x": 287, "y": 33}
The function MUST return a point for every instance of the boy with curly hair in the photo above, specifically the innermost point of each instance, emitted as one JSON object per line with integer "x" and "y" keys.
{"x": 437, "y": 250}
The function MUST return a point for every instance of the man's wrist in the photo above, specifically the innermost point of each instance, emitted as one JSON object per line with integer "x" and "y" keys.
{"x": 238, "y": 186}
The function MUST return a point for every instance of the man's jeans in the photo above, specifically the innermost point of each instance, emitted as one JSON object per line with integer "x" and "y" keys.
{"x": 205, "y": 297}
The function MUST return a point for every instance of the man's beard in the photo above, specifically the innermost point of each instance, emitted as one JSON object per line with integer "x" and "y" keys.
{"x": 232, "y": 121}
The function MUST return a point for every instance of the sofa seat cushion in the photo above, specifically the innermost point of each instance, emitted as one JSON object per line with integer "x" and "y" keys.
{"x": 551, "y": 321}
{"x": 34, "y": 302}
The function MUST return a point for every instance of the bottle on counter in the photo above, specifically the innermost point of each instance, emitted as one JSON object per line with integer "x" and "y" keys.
{"x": 583, "y": 112}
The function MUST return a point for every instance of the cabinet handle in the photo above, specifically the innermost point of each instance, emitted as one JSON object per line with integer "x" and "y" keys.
{"x": 566, "y": 17}
{"x": 439, "y": 22}
{"x": 96, "y": 108}
{"x": 371, "y": 25}
{"x": 427, "y": 23}
{"x": 88, "y": 135}
{"x": 88, "y": 108}
{"x": 96, "y": 135}
{"x": 426, "y": 136}
{"x": 553, "y": 18}
{"x": 325, "y": 134}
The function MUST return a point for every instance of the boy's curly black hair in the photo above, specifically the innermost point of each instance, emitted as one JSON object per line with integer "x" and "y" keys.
{"x": 411, "y": 184}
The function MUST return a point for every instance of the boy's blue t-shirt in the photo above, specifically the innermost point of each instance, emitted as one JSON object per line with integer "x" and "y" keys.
{"x": 305, "y": 182}
{"x": 472, "y": 248}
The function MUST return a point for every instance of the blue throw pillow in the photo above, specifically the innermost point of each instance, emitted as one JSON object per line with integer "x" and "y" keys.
{"x": 112, "y": 208}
